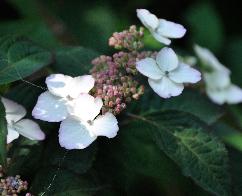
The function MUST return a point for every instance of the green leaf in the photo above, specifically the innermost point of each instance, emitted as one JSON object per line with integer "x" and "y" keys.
{"x": 194, "y": 103}
{"x": 200, "y": 155}
{"x": 25, "y": 156}
{"x": 35, "y": 30}
{"x": 205, "y": 26}
{"x": 20, "y": 58}
{"x": 228, "y": 134}
{"x": 74, "y": 60}
{"x": 132, "y": 161}
{"x": 190, "y": 101}
{"x": 3, "y": 136}
{"x": 57, "y": 182}
{"x": 77, "y": 161}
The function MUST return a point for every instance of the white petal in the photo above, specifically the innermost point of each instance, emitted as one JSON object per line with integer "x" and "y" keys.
{"x": 170, "y": 29}
{"x": 50, "y": 108}
{"x": 81, "y": 84}
{"x": 105, "y": 125}
{"x": 14, "y": 111}
{"x": 217, "y": 80}
{"x": 59, "y": 84}
{"x": 185, "y": 74}
{"x": 165, "y": 87}
{"x": 12, "y": 135}
{"x": 217, "y": 96}
{"x": 29, "y": 129}
{"x": 74, "y": 135}
{"x": 209, "y": 60}
{"x": 167, "y": 59}
{"x": 234, "y": 94}
{"x": 87, "y": 107}
{"x": 160, "y": 38}
{"x": 149, "y": 68}
{"x": 149, "y": 20}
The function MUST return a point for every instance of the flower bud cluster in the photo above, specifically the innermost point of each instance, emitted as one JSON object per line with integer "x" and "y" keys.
{"x": 128, "y": 39}
{"x": 116, "y": 81}
{"x": 12, "y": 185}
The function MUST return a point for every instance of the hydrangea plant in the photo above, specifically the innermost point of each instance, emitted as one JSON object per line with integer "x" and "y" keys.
{"x": 174, "y": 119}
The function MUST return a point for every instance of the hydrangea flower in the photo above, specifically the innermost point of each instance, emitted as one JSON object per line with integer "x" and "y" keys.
{"x": 166, "y": 74}
{"x": 17, "y": 126}
{"x": 55, "y": 104}
{"x": 161, "y": 29}
{"x": 84, "y": 126}
{"x": 217, "y": 79}
{"x": 68, "y": 101}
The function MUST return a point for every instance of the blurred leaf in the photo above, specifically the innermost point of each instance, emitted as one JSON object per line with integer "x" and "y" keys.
{"x": 77, "y": 161}
{"x": 51, "y": 181}
{"x": 229, "y": 135}
{"x": 195, "y": 103}
{"x": 150, "y": 42}
{"x": 74, "y": 61}
{"x": 205, "y": 26}
{"x": 3, "y": 135}
{"x": 232, "y": 54}
{"x": 25, "y": 157}
{"x": 190, "y": 101}
{"x": 20, "y": 58}
{"x": 184, "y": 139}
{"x": 35, "y": 30}
{"x": 236, "y": 160}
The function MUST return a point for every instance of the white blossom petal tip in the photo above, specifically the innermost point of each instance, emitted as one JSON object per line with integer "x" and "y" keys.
{"x": 148, "y": 19}
{"x": 161, "y": 29}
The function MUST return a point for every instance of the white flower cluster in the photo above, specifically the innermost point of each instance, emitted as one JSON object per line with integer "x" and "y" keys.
{"x": 17, "y": 126}
{"x": 67, "y": 101}
{"x": 166, "y": 74}
{"x": 217, "y": 79}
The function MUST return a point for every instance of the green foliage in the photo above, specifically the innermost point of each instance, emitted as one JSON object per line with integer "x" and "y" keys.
{"x": 201, "y": 156}
{"x": 54, "y": 182}
{"x": 205, "y": 26}
{"x": 74, "y": 61}
{"x": 3, "y": 136}
{"x": 20, "y": 58}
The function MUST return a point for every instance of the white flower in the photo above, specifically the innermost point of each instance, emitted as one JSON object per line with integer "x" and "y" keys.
{"x": 166, "y": 74}
{"x": 82, "y": 128}
{"x": 217, "y": 79}
{"x": 161, "y": 29}
{"x": 55, "y": 104}
{"x": 16, "y": 125}
{"x": 209, "y": 60}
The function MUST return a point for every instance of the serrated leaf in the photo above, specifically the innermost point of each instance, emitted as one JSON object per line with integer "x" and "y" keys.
{"x": 19, "y": 58}
{"x": 194, "y": 103}
{"x": 74, "y": 61}
{"x": 3, "y": 135}
{"x": 184, "y": 139}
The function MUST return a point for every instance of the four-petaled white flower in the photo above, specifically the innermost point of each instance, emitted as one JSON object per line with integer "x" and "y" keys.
{"x": 161, "y": 29}
{"x": 217, "y": 79}
{"x": 17, "y": 126}
{"x": 166, "y": 74}
{"x": 68, "y": 101}
{"x": 55, "y": 104}
{"x": 82, "y": 128}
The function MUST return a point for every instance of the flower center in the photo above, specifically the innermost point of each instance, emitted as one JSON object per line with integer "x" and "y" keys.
{"x": 167, "y": 73}
{"x": 90, "y": 122}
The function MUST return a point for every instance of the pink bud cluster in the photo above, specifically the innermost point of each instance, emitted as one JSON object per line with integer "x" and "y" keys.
{"x": 116, "y": 81}
{"x": 128, "y": 39}
{"x": 12, "y": 185}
